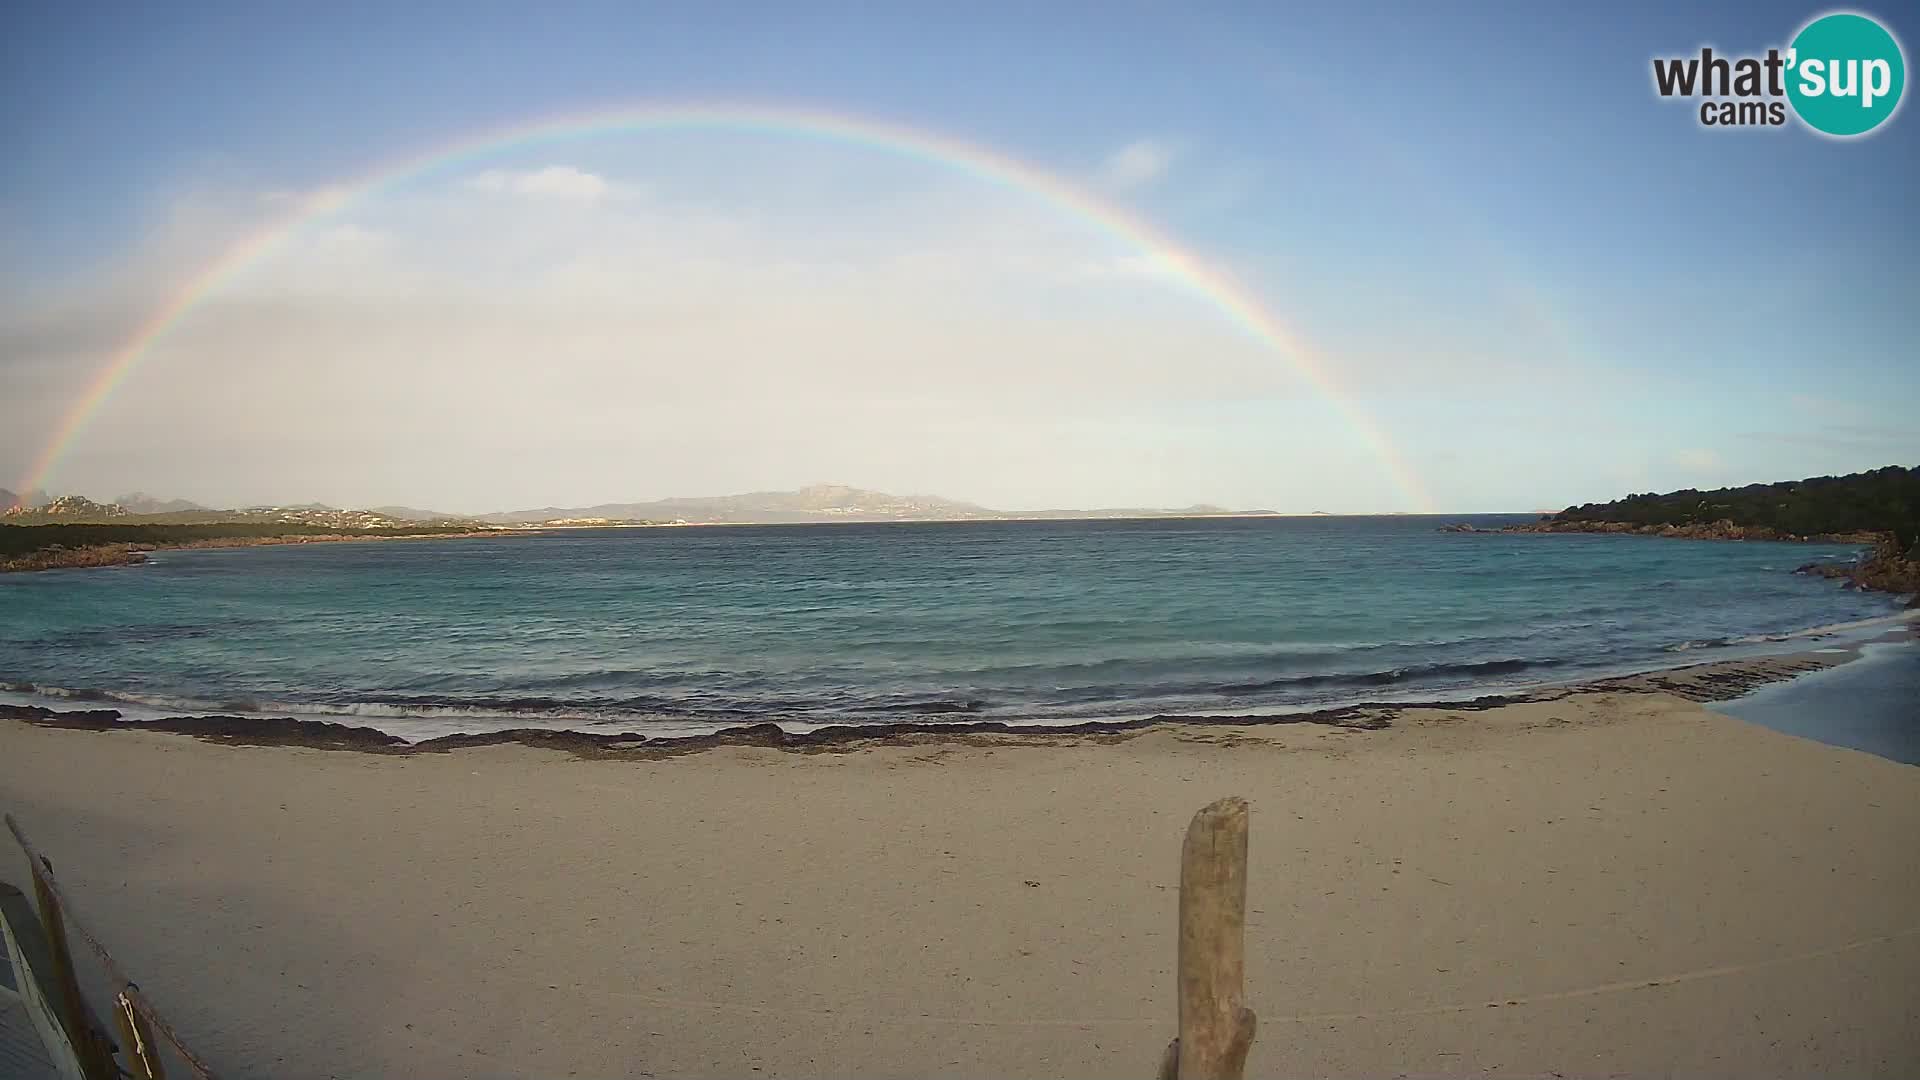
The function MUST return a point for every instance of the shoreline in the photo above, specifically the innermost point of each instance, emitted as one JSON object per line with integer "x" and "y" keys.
{"x": 94, "y": 556}
{"x": 1716, "y": 530}
{"x": 1620, "y": 883}
{"x": 1703, "y": 682}
{"x": 134, "y": 553}
{"x": 131, "y": 553}
{"x": 1879, "y": 568}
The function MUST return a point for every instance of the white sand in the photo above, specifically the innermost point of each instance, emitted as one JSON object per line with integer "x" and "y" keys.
{"x": 1641, "y": 886}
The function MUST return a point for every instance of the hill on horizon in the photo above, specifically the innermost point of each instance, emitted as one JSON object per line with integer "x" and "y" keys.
{"x": 816, "y": 502}
{"x": 811, "y": 504}
{"x": 29, "y": 498}
{"x": 139, "y": 502}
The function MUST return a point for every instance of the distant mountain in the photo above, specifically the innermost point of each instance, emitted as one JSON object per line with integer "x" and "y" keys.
{"x": 820, "y": 502}
{"x": 1128, "y": 512}
{"x": 29, "y": 498}
{"x": 410, "y": 513}
{"x": 8, "y": 500}
{"x": 816, "y": 503}
{"x": 140, "y": 502}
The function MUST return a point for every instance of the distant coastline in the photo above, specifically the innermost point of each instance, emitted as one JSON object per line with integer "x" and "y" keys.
{"x": 1880, "y": 568}
{"x": 1716, "y": 530}
{"x": 1880, "y": 508}
{"x": 55, "y": 553}
{"x": 133, "y": 553}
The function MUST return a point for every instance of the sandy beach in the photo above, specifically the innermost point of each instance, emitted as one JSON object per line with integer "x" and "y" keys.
{"x": 1605, "y": 884}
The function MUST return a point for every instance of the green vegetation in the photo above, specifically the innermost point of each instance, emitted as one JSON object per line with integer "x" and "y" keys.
{"x": 1885, "y": 501}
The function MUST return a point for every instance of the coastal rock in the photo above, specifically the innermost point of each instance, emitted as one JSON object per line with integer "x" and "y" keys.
{"x": 69, "y": 506}
{"x": 1721, "y": 529}
{"x": 1882, "y": 570}
{"x": 58, "y": 557}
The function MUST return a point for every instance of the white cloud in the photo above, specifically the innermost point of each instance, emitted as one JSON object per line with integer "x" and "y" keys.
{"x": 1698, "y": 460}
{"x": 729, "y": 330}
{"x": 1144, "y": 264}
{"x": 554, "y": 182}
{"x": 1137, "y": 164}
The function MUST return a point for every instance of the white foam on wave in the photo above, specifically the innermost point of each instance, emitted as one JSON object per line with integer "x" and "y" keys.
{"x": 1857, "y": 628}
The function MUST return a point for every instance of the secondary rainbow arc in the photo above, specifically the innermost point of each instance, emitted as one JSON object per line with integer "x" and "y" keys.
{"x": 1211, "y": 283}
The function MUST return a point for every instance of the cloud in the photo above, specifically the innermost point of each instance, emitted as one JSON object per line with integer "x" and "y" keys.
{"x": 707, "y": 326}
{"x": 1137, "y": 164}
{"x": 1138, "y": 265}
{"x": 727, "y": 339}
{"x": 552, "y": 182}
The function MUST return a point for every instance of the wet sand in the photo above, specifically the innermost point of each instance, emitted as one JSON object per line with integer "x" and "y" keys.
{"x": 1871, "y": 704}
{"x": 1598, "y": 883}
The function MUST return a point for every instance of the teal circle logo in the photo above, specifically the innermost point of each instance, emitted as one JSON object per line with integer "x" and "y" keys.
{"x": 1845, "y": 73}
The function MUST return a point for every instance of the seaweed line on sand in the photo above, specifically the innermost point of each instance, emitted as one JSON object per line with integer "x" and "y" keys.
{"x": 1711, "y": 681}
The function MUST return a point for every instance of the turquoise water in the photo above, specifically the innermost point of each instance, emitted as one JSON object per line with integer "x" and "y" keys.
{"x": 677, "y": 630}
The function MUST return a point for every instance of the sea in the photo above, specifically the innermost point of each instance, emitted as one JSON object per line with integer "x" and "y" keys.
{"x": 687, "y": 630}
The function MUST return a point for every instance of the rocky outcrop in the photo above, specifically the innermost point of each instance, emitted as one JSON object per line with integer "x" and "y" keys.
{"x": 61, "y": 558}
{"x": 1882, "y": 570}
{"x": 70, "y": 507}
{"x": 1715, "y": 530}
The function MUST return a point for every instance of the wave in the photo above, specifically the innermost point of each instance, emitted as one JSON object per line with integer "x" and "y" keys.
{"x": 934, "y": 706}
{"x": 1724, "y": 642}
{"x": 1410, "y": 673}
{"x": 1088, "y": 700}
{"x": 1825, "y": 630}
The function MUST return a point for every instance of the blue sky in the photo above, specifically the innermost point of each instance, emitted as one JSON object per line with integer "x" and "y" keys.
{"x": 1546, "y": 284}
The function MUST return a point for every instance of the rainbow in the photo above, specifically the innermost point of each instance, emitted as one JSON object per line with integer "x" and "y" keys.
{"x": 1209, "y": 283}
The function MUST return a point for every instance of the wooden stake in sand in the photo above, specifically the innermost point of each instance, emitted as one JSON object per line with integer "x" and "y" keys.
{"x": 1216, "y": 1028}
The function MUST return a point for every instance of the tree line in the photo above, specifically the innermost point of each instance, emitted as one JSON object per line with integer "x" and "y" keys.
{"x": 1884, "y": 500}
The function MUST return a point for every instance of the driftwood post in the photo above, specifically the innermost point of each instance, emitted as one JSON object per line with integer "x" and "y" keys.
{"x": 1216, "y": 1028}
